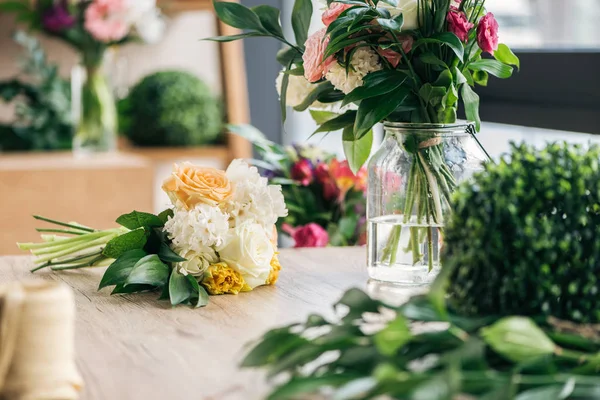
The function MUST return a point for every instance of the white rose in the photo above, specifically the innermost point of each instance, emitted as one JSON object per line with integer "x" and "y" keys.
{"x": 409, "y": 9}
{"x": 196, "y": 263}
{"x": 298, "y": 89}
{"x": 248, "y": 250}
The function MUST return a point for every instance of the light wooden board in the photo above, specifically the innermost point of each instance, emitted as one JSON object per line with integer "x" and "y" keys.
{"x": 135, "y": 347}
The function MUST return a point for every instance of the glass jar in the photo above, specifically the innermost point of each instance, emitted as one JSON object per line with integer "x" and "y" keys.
{"x": 94, "y": 108}
{"x": 411, "y": 179}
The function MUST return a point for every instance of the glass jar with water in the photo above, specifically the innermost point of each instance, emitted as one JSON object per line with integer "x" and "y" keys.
{"x": 411, "y": 180}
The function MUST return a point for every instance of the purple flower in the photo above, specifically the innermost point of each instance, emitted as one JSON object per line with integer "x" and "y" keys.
{"x": 57, "y": 18}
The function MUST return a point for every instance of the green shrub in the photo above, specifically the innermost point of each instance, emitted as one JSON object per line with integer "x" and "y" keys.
{"x": 171, "y": 108}
{"x": 524, "y": 237}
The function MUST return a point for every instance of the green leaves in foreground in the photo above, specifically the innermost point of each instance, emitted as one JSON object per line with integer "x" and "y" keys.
{"x": 420, "y": 353}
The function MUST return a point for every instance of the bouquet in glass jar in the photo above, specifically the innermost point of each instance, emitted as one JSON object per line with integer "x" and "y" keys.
{"x": 399, "y": 62}
{"x": 91, "y": 27}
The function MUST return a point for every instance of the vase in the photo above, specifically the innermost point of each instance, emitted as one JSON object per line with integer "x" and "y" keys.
{"x": 94, "y": 109}
{"x": 411, "y": 180}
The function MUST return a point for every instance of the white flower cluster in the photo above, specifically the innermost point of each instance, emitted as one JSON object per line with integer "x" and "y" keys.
{"x": 236, "y": 230}
{"x": 364, "y": 61}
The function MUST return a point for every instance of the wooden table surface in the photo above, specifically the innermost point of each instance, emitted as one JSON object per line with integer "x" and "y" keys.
{"x": 135, "y": 347}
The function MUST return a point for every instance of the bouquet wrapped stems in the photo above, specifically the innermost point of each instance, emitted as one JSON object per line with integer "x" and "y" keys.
{"x": 429, "y": 187}
{"x": 82, "y": 247}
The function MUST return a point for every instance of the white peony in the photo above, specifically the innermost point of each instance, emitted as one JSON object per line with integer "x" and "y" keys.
{"x": 364, "y": 61}
{"x": 197, "y": 263}
{"x": 253, "y": 198}
{"x": 248, "y": 250}
{"x": 151, "y": 26}
{"x": 409, "y": 9}
{"x": 298, "y": 89}
{"x": 197, "y": 229}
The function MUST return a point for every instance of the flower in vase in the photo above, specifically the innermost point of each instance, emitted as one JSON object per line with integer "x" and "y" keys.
{"x": 487, "y": 33}
{"x": 309, "y": 235}
{"x": 57, "y": 18}
{"x": 302, "y": 171}
{"x": 459, "y": 24}
{"x": 333, "y": 12}
{"x": 315, "y": 67}
{"x": 364, "y": 61}
{"x": 106, "y": 20}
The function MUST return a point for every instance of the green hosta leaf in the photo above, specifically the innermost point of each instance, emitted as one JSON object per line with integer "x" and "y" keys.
{"x": 165, "y": 215}
{"x": 492, "y": 67}
{"x": 128, "y": 289}
{"x": 357, "y": 151}
{"x": 471, "y": 101}
{"x": 376, "y": 84}
{"x": 552, "y": 392}
{"x": 358, "y": 303}
{"x": 232, "y": 38}
{"x": 320, "y": 117}
{"x": 432, "y": 94}
{"x": 505, "y": 55}
{"x": 481, "y": 78}
{"x": 180, "y": 288}
{"x": 274, "y": 345}
{"x": 200, "y": 297}
{"x": 314, "y": 95}
{"x": 393, "y": 337}
{"x": 269, "y": 19}
{"x": 392, "y": 24}
{"x": 518, "y": 339}
{"x": 118, "y": 271}
{"x": 128, "y": 241}
{"x": 375, "y": 109}
{"x": 356, "y": 389}
{"x": 301, "y": 17}
{"x": 308, "y": 385}
{"x": 446, "y": 38}
{"x": 150, "y": 270}
{"x": 166, "y": 254}
{"x": 337, "y": 123}
{"x": 445, "y": 79}
{"x": 237, "y": 15}
{"x": 432, "y": 59}
{"x": 137, "y": 219}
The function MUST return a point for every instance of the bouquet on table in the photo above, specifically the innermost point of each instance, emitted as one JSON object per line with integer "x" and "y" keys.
{"x": 218, "y": 238}
{"x": 325, "y": 199}
{"x": 91, "y": 27}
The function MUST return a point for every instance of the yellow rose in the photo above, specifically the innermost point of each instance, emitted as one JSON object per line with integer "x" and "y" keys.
{"x": 190, "y": 185}
{"x": 275, "y": 268}
{"x": 221, "y": 279}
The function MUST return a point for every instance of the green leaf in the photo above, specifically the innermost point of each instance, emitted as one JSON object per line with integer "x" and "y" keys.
{"x": 200, "y": 298}
{"x": 481, "y": 78}
{"x": 180, "y": 288}
{"x": 552, "y": 392}
{"x": 347, "y": 226}
{"x": 269, "y": 19}
{"x": 471, "y": 101}
{"x": 307, "y": 385}
{"x": 301, "y": 17}
{"x": 505, "y": 55}
{"x": 166, "y": 254}
{"x": 394, "y": 24}
{"x": 337, "y": 123}
{"x": 150, "y": 270}
{"x": 314, "y": 95}
{"x": 393, "y": 337}
{"x": 275, "y": 344}
{"x": 320, "y": 116}
{"x": 231, "y": 38}
{"x": 492, "y": 67}
{"x": 432, "y": 94}
{"x": 128, "y": 289}
{"x": 358, "y": 303}
{"x": 289, "y": 55}
{"x": 376, "y": 84}
{"x": 128, "y": 241}
{"x": 237, "y": 15}
{"x": 118, "y": 271}
{"x": 137, "y": 219}
{"x": 13, "y": 6}
{"x": 165, "y": 215}
{"x": 446, "y": 38}
{"x": 375, "y": 109}
{"x": 357, "y": 151}
{"x": 432, "y": 59}
{"x": 356, "y": 389}
{"x": 285, "y": 82}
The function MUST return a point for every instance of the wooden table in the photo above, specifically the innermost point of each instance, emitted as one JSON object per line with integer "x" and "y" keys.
{"x": 135, "y": 347}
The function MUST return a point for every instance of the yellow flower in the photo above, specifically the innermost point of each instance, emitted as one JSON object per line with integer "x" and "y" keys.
{"x": 275, "y": 268}
{"x": 221, "y": 279}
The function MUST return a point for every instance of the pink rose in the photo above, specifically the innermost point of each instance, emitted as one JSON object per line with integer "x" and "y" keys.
{"x": 302, "y": 172}
{"x": 459, "y": 24}
{"x": 333, "y": 12}
{"x": 394, "y": 57}
{"x": 310, "y": 235}
{"x": 487, "y": 33}
{"x": 315, "y": 67}
{"x": 105, "y": 20}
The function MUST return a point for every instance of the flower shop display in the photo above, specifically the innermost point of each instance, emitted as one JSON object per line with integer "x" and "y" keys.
{"x": 325, "y": 199}
{"x": 92, "y": 27}
{"x": 171, "y": 108}
{"x": 41, "y": 100}
{"x": 513, "y": 315}
{"x": 219, "y": 238}
{"x": 407, "y": 63}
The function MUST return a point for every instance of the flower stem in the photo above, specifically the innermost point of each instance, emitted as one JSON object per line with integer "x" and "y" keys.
{"x": 76, "y": 227}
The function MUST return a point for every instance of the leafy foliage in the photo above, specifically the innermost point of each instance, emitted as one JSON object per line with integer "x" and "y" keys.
{"x": 42, "y": 101}
{"x": 171, "y": 108}
{"x": 523, "y": 236}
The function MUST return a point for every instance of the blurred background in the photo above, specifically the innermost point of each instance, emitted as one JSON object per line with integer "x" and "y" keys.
{"x": 175, "y": 94}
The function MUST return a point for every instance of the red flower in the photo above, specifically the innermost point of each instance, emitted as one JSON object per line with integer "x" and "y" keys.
{"x": 302, "y": 172}
{"x": 487, "y": 33}
{"x": 310, "y": 235}
{"x": 323, "y": 176}
{"x": 459, "y": 24}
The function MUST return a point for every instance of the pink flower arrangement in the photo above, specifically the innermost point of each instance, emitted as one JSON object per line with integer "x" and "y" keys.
{"x": 315, "y": 67}
{"x": 487, "y": 34}
{"x": 104, "y": 19}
